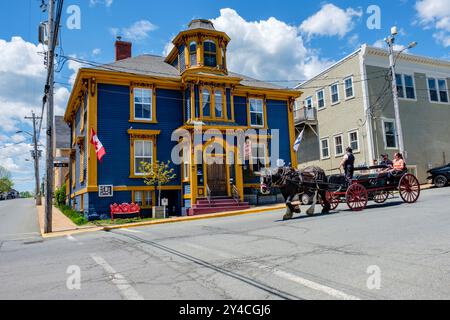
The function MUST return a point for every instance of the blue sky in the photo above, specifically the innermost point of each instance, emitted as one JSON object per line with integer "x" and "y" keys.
{"x": 270, "y": 40}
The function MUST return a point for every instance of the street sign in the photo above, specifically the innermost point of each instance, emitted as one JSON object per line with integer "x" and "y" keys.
{"x": 165, "y": 202}
{"x": 105, "y": 191}
{"x": 61, "y": 165}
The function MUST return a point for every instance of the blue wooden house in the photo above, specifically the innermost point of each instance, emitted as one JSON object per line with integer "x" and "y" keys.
{"x": 136, "y": 103}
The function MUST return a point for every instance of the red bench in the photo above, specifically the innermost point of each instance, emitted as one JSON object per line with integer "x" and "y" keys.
{"x": 125, "y": 209}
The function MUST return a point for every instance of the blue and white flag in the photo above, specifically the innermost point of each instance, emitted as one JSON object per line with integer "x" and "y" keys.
{"x": 298, "y": 141}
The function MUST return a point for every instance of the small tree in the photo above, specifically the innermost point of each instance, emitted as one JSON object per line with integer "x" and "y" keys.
{"x": 6, "y": 183}
{"x": 157, "y": 174}
{"x": 60, "y": 196}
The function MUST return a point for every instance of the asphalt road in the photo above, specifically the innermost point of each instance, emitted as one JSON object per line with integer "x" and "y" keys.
{"x": 401, "y": 251}
{"x": 18, "y": 220}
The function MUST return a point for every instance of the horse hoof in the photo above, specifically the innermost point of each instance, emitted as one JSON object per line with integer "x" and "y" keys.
{"x": 325, "y": 211}
{"x": 310, "y": 212}
{"x": 287, "y": 217}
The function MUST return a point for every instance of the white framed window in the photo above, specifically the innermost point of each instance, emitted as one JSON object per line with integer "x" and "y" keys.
{"x": 405, "y": 86}
{"x": 309, "y": 103}
{"x": 334, "y": 90}
{"x": 143, "y": 104}
{"x": 437, "y": 90}
{"x": 259, "y": 156}
{"x": 320, "y": 99}
{"x": 143, "y": 152}
{"x": 389, "y": 133}
{"x": 353, "y": 138}
{"x": 256, "y": 112}
{"x": 339, "y": 145}
{"x": 348, "y": 88}
{"x": 325, "y": 148}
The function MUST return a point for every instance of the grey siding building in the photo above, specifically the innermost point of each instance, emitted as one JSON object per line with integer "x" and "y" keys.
{"x": 351, "y": 104}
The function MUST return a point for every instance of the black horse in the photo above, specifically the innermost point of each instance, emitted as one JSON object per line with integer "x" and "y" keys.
{"x": 292, "y": 182}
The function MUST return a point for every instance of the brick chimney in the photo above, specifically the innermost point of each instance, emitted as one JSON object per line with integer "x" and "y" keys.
{"x": 123, "y": 49}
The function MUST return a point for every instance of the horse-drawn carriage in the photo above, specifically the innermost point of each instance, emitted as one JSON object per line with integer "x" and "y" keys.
{"x": 375, "y": 186}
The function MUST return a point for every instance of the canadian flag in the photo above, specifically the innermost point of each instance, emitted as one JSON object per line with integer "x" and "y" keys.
{"x": 99, "y": 149}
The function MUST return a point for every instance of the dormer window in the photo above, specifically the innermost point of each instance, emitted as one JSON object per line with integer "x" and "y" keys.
{"x": 210, "y": 53}
{"x": 193, "y": 53}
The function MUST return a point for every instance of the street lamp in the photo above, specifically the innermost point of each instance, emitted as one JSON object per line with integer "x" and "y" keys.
{"x": 392, "y": 61}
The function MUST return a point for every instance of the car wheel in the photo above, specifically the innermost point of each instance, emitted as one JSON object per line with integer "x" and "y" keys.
{"x": 440, "y": 181}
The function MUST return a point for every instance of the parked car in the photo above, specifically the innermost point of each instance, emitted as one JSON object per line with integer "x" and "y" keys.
{"x": 440, "y": 176}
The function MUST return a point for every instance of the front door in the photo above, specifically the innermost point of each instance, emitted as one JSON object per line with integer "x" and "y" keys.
{"x": 217, "y": 179}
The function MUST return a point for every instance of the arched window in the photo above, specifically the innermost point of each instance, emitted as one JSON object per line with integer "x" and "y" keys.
{"x": 210, "y": 53}
{"x": 193, "y": 53}
{"x": 206, "y": 103}
{"x": 218, "y": 103}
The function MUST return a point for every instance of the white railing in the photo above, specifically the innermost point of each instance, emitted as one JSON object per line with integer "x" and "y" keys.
{"x": 305, "y": 114}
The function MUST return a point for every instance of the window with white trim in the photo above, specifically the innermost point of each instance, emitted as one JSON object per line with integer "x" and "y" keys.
{"x": 390, "y": 139}
{"x": 339, "y": 145}
{"x": 320, "y": 99}
{"x": 143, "y": 104}
{"x": 405, "y": 86}
{"x": 437, "y": 89}
{"x": 256, "y": 112}
{"x": 309, "y": 103}
{"x": 348, "y": 87}
{"x": 353, "y": 138}
{"x": 334, "y": 88}
{"x": 143, "y": 152}
{"x": 148, "y": 198}
{"x": 325, "y": 148}
{"x": 138, "y": 198}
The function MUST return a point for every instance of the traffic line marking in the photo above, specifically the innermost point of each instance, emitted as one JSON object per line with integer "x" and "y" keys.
{"x": 125, "y": 289}
{"x": 284, "y": 275}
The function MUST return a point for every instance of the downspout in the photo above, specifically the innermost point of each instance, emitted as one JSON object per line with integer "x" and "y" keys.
{"x": 70, "y": 169}
{"x": 365, "y": 90}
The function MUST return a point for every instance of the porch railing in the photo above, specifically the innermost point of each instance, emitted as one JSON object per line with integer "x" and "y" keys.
{"x": 208, "y": 193}
{"x": 303, "y": 115}
{"x": 235, "y": 193}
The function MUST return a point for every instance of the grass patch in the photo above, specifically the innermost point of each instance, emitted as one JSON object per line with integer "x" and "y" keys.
{"x": 73, "y": 215}
{"x": 110, "y": 222}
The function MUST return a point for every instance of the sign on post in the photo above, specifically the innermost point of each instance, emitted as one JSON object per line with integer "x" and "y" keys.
{"x": 165, "y": 203}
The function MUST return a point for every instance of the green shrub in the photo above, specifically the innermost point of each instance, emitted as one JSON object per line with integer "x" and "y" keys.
{"x": 60, "y": 196}
{"x": 73, "y": 215}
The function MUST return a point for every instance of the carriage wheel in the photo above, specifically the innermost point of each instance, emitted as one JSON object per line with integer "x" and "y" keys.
{"x": 380, "y": 196}
{"x": 332, "y": 199}
{"x": 357, "y": 197}
{"x": 409, "y": 188}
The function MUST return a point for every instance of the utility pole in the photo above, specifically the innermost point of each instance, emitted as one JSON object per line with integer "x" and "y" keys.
{"x": 49, "y": 92}
{"x": 398, "y": 124}
{"x": 392, "y": 60}
{"x": 36, "y": 159}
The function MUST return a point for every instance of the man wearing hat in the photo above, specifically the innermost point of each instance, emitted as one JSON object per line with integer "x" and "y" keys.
{"x": 348, "y": 164}
{"x": 386, "y": 162}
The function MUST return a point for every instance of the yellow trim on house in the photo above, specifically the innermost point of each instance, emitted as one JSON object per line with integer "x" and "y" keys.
{"x": 81, "y": 164}
{"x": 132, "y": 102}
{"x": 92, "y": 163}
{"x": 292, "y": 137}
{"x": 82, "y": 203}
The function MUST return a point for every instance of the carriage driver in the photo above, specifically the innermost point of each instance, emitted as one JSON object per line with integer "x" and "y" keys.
{"x": 348, "y": 164}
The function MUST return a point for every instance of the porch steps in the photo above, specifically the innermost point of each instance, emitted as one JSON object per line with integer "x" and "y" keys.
{"x": 217, "y": 204}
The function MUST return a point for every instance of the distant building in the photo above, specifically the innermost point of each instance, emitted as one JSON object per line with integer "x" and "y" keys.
{"x": 61, "y": 149}
{"x": 351, "y": 104}
{"x": 13, "y": 194}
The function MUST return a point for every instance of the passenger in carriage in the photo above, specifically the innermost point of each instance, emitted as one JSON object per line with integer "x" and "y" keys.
{"x": 348, "y": 164}
{"x": 386, "y": 161}
{"x": 398, "y": 167}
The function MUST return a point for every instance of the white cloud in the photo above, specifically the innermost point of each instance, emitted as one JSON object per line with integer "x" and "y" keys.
{"x": 137, "y": 31}
{"x": 107, "y": 3}
{"x": 267, "y": 49}
{"x": 382, "y": 45}
{"x": 330, "y": 20}
{"x": 435, "y": 14}
{"x": 96, "y": 51}
{"x": 22, "y": 79}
